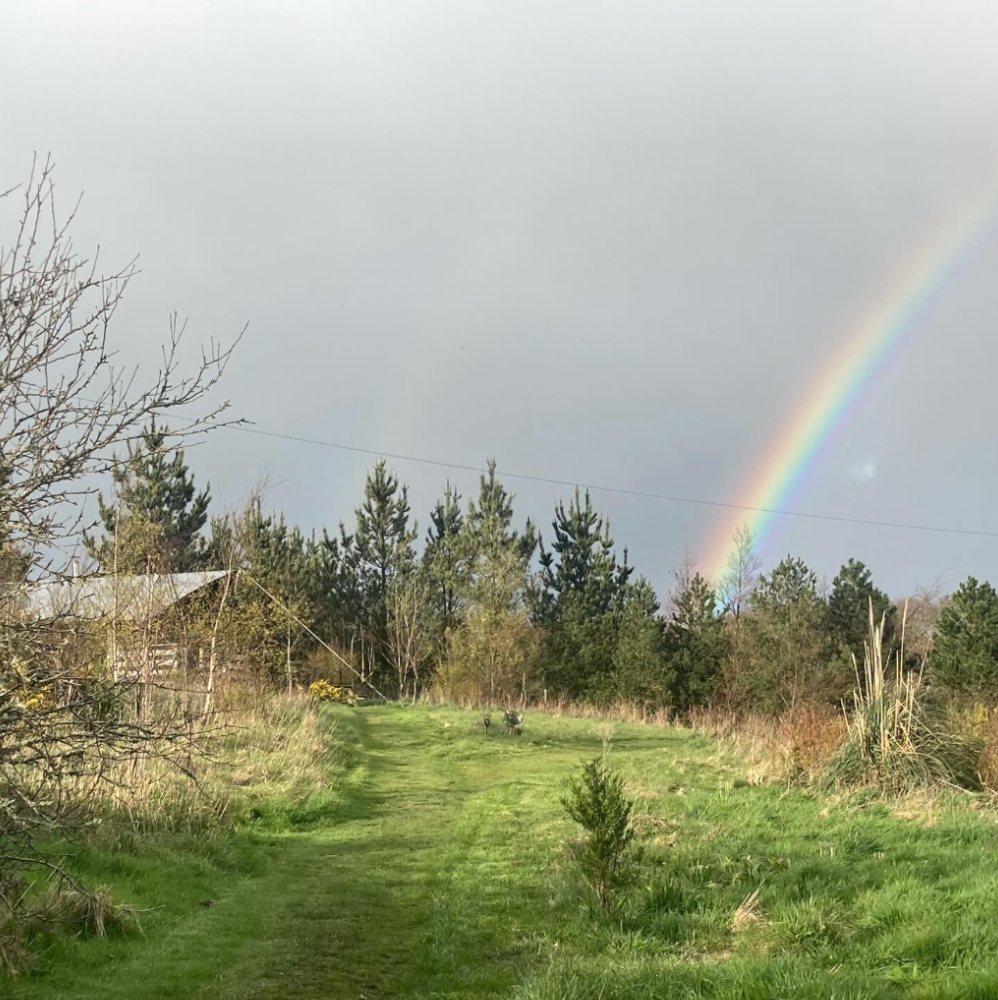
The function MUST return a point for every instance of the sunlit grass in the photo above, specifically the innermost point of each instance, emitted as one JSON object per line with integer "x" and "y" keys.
{"x": 436, "y": 867}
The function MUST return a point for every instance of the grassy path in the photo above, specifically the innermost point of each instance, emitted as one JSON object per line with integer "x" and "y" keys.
{"x": 419, "y": 887}
{"x": 439, "y": 877}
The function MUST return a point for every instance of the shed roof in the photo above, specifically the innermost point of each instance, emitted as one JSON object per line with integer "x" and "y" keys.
{"x": 120, "y": 596}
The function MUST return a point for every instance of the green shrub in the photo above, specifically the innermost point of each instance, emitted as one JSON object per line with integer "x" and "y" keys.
{"x": 605, "y": 856}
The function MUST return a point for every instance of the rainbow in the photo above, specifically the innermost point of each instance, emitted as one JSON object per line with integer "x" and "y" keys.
{"x": 902, "y": 300}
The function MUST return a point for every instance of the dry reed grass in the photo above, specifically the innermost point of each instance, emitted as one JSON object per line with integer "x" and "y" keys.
{"x": 264, "y": 744}
{"x": 980, "y": 721}
{"x": 898, "y": 738}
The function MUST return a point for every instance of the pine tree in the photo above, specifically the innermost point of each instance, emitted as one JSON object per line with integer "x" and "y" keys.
{"x": 445, "y": 563}
{"x": 494, "y": 647}
{"x": 694, "y": 643}
{"x": 154, "y": 524}
{"x": 786, "y": 650}
{"x": 790, "y": 585}
{"x": 489, "y": 522}
{"x": 383, "y": 543}
{"x": 849, "y": 609}
{"x": 585, "y": 590}
{"x": 277, "y": 626}
{"x": 334, "y": 591}
{"x": 491, "y": 547}
{"x": 965, "y": 649}
{"x": 641, "y": 669}
{"x": 586, "y": 578}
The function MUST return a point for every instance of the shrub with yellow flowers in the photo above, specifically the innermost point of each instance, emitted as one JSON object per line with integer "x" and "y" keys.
{"x": 22, "y": 691}
{"x": 322, "y": 690}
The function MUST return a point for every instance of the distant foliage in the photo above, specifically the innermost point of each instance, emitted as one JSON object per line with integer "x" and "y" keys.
{"x": 642, "y": 672}
{"x": 965, "y": 650}
{"x": 494, "y": 654}
{"x": 606, "y": 856}
{"x": 695, "y": 644}
{"x": 445, "y": 565}
{"x": 784, "y": 650}
{"x": 489, "y": 610}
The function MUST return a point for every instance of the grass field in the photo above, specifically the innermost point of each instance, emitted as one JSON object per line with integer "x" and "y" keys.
{"x": 433, "y": 865}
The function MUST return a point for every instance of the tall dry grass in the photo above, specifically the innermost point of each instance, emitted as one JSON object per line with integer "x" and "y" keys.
{"x": 261, "y": 745}
{"x": 898, "y": 737}
{"x": 979, "y": 720}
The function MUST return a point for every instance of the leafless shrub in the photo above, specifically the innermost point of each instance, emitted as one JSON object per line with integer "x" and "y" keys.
{"x": 66, "y": 407}
{"x": 407, "y": 638}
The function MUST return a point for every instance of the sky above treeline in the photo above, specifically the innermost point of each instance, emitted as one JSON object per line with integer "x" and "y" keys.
{"x": 608, "y": 243}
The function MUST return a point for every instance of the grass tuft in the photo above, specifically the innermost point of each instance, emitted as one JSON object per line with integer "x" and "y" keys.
{"x": 897, "y": 738}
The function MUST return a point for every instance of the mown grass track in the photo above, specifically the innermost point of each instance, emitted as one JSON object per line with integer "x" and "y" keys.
{"x": 440, "y": 873}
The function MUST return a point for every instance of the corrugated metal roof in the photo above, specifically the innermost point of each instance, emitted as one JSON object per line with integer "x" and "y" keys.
{"x": 127, "y": 597}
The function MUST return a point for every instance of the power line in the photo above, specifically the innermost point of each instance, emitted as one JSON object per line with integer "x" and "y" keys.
{"x": 622, "y": 491}
{"x": 619, "y": 490}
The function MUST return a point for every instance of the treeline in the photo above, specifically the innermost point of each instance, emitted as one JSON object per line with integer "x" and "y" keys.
{"x": 483, "y": 606}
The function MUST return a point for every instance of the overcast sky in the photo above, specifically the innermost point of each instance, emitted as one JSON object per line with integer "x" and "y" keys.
{"x": 606, "y": 242}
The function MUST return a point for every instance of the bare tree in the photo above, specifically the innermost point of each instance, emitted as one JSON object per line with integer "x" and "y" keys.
{"x": 407, "y": 637}
{"x": 739, "y": 579}
{"x": 495, "y": 650}
{"x": 65, "y": 407}
{"x": 923, "y": 609}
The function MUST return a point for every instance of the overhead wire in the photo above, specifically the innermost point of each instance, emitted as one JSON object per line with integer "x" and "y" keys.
{"x": 620, "y": 490}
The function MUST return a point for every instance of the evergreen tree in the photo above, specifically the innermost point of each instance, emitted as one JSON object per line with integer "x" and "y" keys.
{"x": 154, "y": 526}
{"x": 586, "y": 578}
{"x": 494, "y": 647}
{"x": 383, "y": 544}
{"x": 849, "y": 609}
{"x": 641, "y": 669}
{"x": 786, "y": 648}
{"x": 585, "y": 590}
{"x": 489, "y": 544}
{"x": 275, "y": 556}
{"x": 493, "y": 652}
{"x": 445, "y": 564}
{"x": 791, "y": 585}
{"x": 694, "y": 643}
{"x": 965, "y": 649}
{"x": 334, "y": 592}
{"x": 488, "y": 525}
{"x": 314, "y": 578}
